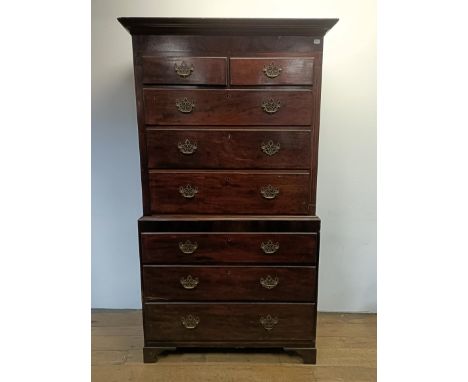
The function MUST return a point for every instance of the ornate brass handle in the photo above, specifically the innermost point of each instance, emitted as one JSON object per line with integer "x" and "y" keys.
{"x": 268, "y": 322}
{"x": 183, "y": 70}
{"x": 269, "y": 282}
{"x": 188, "y": 191}
{"x": 269, "y": 192}
{"x": 272, "y": 70}
{"x": 187, "y": 147}
{"x": 188, "y": 247}
{"x": 189, "y": 282}
{"x": 269, "y": 247}
{"x": 270, "y": 148}
{"x": 271, "y": 106}
{"x": 184, "y": 105}
{"x": 190, "y": 321}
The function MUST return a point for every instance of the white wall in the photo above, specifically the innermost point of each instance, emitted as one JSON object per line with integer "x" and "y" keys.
{"x": 347, "y": 158}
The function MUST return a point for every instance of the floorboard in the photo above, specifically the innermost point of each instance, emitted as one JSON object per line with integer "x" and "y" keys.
{"x": 346, "y": 346}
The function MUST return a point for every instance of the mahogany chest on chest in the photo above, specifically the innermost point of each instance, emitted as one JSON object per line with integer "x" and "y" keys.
{"x": 228, "y": 123}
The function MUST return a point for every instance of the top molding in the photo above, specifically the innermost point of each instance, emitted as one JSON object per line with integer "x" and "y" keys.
{"x": 217, "y": 26}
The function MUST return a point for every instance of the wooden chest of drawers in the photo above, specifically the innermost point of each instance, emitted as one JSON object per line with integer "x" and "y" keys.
{"x": 228, "y": 122}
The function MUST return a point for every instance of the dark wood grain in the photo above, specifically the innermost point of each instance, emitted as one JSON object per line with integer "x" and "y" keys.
{"x": 217, "y": 26}
{"x": 315, "y": 127}
{"x": 165, "y": 46}
{"x": 228, "y": 217}
{"x": 227, "y": 107}
{"x": 233, "y": 46}
{"x": 151, "y": 354}
{"x": 230, "y": 322}
{"x": 309, "y": 355}
{"x": 250, "y": 71}
{"x": 229, "y": 193}
{"x": 228, "y": 149}
{"x": 206, "y": 70}
{"x": 229, "y": 283}
{"x": 138, "y": 73}
{"x": 228, "y": 248}
{"x": 229, "y": 223}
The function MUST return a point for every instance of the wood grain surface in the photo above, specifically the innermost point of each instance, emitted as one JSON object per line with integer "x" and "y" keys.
{"x": 205, "y": 70}
{"x": 229, "y": 192}
{"x": 229, "y": 149}
{"x": 228, "y": 107}
{"x": 230, "y": 323}
{"x": 346, "y": 343}
{"x": 228, "y": 122}
{"x": 228, "y": 248}
{"x": 251, "y": 70}
{"x": 229, "y": 283}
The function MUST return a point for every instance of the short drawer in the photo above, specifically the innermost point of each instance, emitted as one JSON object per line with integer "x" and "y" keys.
{"x": 272, "y": 71}
{"x": 228, "y": 283}
{"x": 228, "y": 149}
{"x": 228, "y": 248}
{"x": 187, "y": 192}
{"x": 184, "y": 70}
{"x": 228, "y": 107}
{"x": 229, "y": 322}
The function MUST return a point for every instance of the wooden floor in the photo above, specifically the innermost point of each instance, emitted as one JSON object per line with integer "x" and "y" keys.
{"x": 346, "y": 346}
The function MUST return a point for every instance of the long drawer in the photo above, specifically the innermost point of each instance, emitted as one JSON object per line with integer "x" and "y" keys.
{"x": 229, "y": 322}
{"x": 229, "y": 193}
{"x": 228, "y": 149}
{"x": 228, "y": 283}
{"x": 227, "y": 107}
{"x": 228, "y": 248}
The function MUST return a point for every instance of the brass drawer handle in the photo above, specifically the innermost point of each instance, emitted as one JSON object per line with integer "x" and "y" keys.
{"x": 190, "y": 321}
{"x": 188, "y": 191}
{"x": 183, "y": 70}
{"x": 272, "y": 70}
{"x": 269, "y": 192}
{"x": 271, "y": 106}
{"x": 189, "y": 282}
{"x": 268, "y": 322}
{"x": 269, "y": 282}
{"x": 270, "y": 148}
{"x": 188, "y": 247}
{"x": 184, "y": 105}
{"x": 187, "y": 147}
{"x": 269, "y": 247}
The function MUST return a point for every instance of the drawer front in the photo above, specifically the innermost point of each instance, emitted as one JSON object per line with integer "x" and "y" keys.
{"x": 271, "y": 71}
{"x": 223, "y": 283}
{"x": 184, "y": 70}
{"x": 219, "y": 248}
{"x": 229, "y": 322}
{"x": 219, "y": 149}
{"x": 227, "y": 107}
{"x": 229, "y": 193}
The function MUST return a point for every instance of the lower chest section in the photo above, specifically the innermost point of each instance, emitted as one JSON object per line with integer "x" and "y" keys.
{"x": 229, "y": 282}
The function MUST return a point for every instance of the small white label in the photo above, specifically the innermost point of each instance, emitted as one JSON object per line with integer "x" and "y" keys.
{"x": 317, "y": 41}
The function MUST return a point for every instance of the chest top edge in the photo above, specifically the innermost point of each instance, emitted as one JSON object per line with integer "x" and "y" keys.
{"x": 227, "y": 26}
